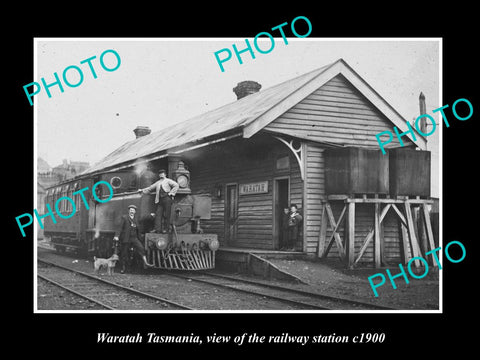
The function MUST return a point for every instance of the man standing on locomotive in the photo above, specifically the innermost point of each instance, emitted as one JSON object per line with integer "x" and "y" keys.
{"x": 128, "y": 234}
{"x": 165, "y": 190}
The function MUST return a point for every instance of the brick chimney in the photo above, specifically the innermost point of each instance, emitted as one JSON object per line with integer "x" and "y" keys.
{"x": 141, "y": 131}
{"x": 423, "y": 110}
{"x": 245, "y": 88}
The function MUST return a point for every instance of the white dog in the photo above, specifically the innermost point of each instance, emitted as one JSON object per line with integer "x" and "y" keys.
{"x": 109, "y": 263}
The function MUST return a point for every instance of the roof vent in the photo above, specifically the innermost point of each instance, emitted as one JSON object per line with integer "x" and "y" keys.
{"x": 245, "y": 88}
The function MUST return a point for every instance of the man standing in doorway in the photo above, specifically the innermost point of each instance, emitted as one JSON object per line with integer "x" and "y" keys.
{"x": 294, "y": 222}
{"x": 165, "y": 190}
{"x": 284, "y": 235}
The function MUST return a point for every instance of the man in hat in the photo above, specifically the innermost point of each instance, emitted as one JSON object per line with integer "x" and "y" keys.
{"x": 284, "y": 234}
{"x": 128, "y": 234}
{"x": 165, "y": 190}
{"x": 294, "y": 222}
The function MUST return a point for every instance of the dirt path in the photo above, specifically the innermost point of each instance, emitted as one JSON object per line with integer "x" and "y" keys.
{"x": 328, "y": 276}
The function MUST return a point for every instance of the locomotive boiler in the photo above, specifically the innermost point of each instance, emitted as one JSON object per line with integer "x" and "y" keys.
{"x": 92, "y": 230}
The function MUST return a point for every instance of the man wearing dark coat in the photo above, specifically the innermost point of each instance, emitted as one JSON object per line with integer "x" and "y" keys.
{"x": 128, "y": 234}
{"x": 294, "y": 222}
{"x": 284, "y": 233}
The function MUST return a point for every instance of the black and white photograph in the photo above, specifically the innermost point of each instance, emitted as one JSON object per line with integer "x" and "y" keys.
{"x": 177, "y": 179}
{"x": 222, "y": 180}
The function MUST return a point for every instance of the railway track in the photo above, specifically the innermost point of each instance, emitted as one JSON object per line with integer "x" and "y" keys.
{"x": 105, "y": 293}
{"x": 309, "y": 300}
{"x": 72, "y": 291}
{"x": 254, "y": 289}
{"x": 293, "y": 298}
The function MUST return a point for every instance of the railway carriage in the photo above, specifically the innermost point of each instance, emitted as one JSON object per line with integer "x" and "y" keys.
{"x": 91, "y": 225}
{"x": 68, "y": 233}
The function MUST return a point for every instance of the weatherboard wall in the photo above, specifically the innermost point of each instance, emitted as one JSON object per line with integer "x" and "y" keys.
{"x": 244, "y": 165}
{"x": 335, "y": 113}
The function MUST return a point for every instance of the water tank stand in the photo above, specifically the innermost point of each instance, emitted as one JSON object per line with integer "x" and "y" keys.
{"x": 409, "y": 233}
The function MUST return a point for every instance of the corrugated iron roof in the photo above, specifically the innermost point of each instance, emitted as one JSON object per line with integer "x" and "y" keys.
{"x": 263, "y": 106}
{"x": 232, "y": 116}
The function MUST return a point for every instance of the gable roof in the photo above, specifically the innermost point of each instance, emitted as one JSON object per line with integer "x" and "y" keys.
{"x": 245, "y": 116}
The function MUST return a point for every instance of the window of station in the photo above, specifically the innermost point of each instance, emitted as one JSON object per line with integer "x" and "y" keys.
{"x": 282, "y": 163}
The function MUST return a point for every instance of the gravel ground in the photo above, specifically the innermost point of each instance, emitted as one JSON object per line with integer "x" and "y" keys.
{"x": 51, "y": 297}
{"x": 327, "y": 276}
{"x": 107, "y": 294}
{"x": 189, "y": 293}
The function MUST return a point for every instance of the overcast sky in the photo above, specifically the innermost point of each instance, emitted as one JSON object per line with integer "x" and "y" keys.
{"x": 161, "y": 82}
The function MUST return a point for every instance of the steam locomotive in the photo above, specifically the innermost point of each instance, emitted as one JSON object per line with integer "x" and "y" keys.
{"x": 90, "y": 230}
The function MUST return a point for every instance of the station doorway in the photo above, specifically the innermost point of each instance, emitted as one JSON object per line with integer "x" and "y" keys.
{"x": 281, "y": 200}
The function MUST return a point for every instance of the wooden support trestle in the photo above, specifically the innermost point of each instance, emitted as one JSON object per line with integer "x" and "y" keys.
{"x": 410, "y": 246}
{"x": 335, "y": 235}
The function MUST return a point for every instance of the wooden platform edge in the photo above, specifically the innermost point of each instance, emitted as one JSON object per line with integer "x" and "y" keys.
{"x": 272, "y": 271}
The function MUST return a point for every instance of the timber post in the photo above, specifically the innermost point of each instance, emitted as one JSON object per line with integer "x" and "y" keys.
{"x": 350, "y": 247}
{"x": 409, "y": 246}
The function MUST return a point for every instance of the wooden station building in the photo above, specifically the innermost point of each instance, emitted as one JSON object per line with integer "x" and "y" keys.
{"x": 309, "y": 141}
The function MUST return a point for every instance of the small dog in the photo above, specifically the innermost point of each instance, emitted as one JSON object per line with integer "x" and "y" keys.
{"x": 109, "y": 263}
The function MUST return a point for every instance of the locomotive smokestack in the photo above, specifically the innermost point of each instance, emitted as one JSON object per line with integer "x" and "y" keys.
{"x": 245, "y": 88}
{"x": 141, "y": 131}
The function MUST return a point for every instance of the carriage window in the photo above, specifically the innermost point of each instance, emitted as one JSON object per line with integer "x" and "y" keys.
{"x": 55, "y": 196}
{"x": 63, "y": 205}
{"x": 58, "y": 194}
{"x": 68, "y": 204}
{"x": 47, "y": 200}
{"x": 76, "y": 197}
